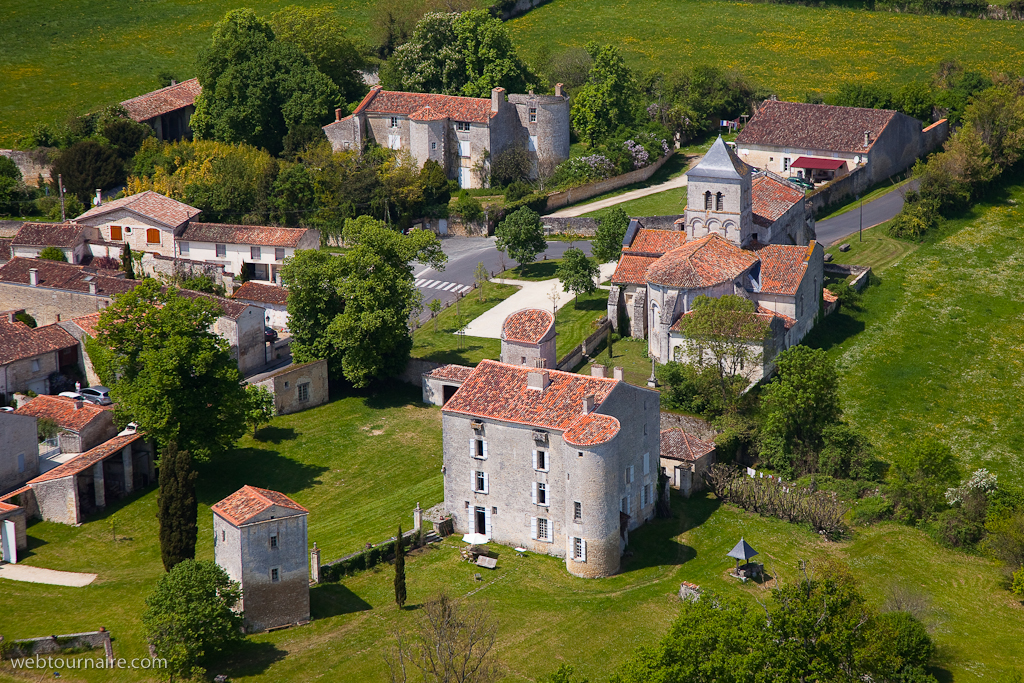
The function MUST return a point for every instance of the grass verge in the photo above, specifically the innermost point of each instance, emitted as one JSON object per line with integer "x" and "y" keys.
{"x": 877, "y": 250}
{"x": 444, "y": 345}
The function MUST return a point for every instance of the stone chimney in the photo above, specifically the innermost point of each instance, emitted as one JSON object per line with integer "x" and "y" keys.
{"x": 617, "y": 373}
{"x": 174, "y": 81}
{"x": 867, "y": 138}
{"x": 92, "y": 287}
{"x": 337, "y": 114}
{"x": 588, "y": 404}
{"x": 538, "y": 380}
{"x": 10, "y": 316}
{"x": 33, "y": 277}
{"x": 558, "y": 90}
{"x": 597, "y": 370}
{"x": 497, "y": 98}
{"x": 78, "y": 404}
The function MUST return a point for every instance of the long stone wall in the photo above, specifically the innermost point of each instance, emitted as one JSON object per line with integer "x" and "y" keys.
{"x": 556, "y": 200}
{"x": 849, "y": 185}
{"x": 574, "y": 357}
{"x": 48, "y": 645}
{"x": 587, "y": 227}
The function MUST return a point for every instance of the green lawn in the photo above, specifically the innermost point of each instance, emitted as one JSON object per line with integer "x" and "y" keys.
{"x": 835, "y": 44}
{"x": 877, "y": 250}
{"x": 629, "y": 354}
{"x": 667, "y": 203}
{"x": 536, "y": 271}
{"x": 934, "y": 350}
{"x": 576, "y": 320}
{"x": 444, "y": 346}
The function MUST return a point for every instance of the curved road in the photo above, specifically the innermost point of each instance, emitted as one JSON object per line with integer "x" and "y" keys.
{"x": 875, "y": 212}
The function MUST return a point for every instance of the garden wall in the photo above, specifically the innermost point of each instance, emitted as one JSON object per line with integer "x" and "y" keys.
{"x": 414, "y": 369}
{"x": 48, "y": 645}
{"x": 853, "y": 183}
{"x": 556, "y": 200}
{"x": 587, "y": 227}
{"x": 574, "y": 357}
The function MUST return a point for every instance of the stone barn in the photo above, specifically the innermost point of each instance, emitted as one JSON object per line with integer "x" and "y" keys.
{"x": 83, "y": 425}
{"x": 296, "y": 387}
{"x": 528, "y": 336}
{"x": 168, "y": 111}
{"x": 19, "y": 450}
{"x": 685, "y": 459}
{"x": 260, "y": 540}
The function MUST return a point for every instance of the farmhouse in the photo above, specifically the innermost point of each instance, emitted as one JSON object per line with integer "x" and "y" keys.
{"x": 820, "y": 142}
{"x": 260, "y": 541}
{"x": 558, "y": 463}
{"x": 459, "y": 133}
{"x": 167, "y": 110}
{"x": 255, "y": 250}
{"x": 147, "y": 221}
{"x": 83, "y": 425}
{"x": 743, "y": 233}
{"x": 28, "y": 356}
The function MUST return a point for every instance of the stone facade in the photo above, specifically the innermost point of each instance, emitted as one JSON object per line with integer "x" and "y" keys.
{"x": 17, "y": 515}
{"x": 19, "y": 450}
{"x": 260, "y": 540}
{"x": 528, "y": 338}
{"x": 296, "y": 387}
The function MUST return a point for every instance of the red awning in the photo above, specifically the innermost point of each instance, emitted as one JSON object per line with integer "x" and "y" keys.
{"x": 818, "y": 164}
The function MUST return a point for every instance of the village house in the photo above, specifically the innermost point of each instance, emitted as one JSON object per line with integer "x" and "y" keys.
{"x": 557, "y": 463}
{"x": 260, "y": 540}
{"x": 272, "y": 299}
{"x": 147, "y": 221}
{"x": 69, "y": 238}
{"x": 743, "y": 235}
{"x": 28, "y": 356}
{"x": 50, "y": 291}
{"x": 296, "y": 386}
{"x": 83, "y": 425}
{"x": 821, "y": 142}
{"x": 259, "y": 251}
{"x": 19, "y": 450}
{"x": 684, "y": 459}
{"x": 460, "y": 133}
{"x": 167, "y": 111}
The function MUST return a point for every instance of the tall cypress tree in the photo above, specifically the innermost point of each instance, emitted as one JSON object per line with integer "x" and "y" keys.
{"x": 177, "y": 508}
{"x": 399, "y": 570}
{"x": 126, "y": 262}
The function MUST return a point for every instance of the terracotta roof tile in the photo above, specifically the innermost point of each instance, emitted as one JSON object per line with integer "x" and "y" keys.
{"x": 705, "y": 262}
{"x": 61, "y": 410}
{"x": 81, "y": 463}
{"x": 48, "y": 235}
{"x": 18, "y": 341}
{"x": 262, "y": 294}
{"x": 783, "y": 267}
{"x": 153, "y": 205}
{"x": 632, "y": 270}
{"x": 814, "y": 126}
{"x": 5, "y": 249}
{"x": 529, "y": 326}
{"x": 17, "y": 492}
{"x": 7, "y": 507}
{"x": 592, "y": 430}
{"x": 787, "y": 322}
{"x": 88, "y": 323}
{"x": 771, "y": 199}
{"x": 499, "y": 391}
{"x": 60, "y": 275}
{"x": 452, "y": 373}
{"x": 829, "y": 296}
{"x": 415, "y": 106}
{"x": 249, "y": 501}
{"x": 257, "y": 235}
{"x": 650, "y": 242}
{"x": 164, "y": 100}
{"x": 679, "y": 445}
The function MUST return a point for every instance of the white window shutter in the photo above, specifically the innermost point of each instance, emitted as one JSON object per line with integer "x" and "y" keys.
{"x": 485, "y": 450}
{"x": 534, "y": 458}
{"x": 534, "y": 493}
{"x": 487, "y": 522}
{"x": 647, "y": 463}
{"x": 533, "y": 528}
{"x": 471, "y": 525}
{"x": 472, "y": 448}
{"x": 631, "y": 478}
{"x": 472, "y": 480}
{"x": 643, "y": 500}
{"x": 583, "y": 550}
{"x": 485, "y": 484}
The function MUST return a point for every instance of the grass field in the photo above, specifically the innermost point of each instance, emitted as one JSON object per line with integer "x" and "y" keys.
{"x": 877, "y": 250}
{"x": 667, "y": 203}
{"x": 935, "y": 349}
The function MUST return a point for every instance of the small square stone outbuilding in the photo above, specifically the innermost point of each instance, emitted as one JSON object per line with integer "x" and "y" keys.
{"x": 685, "y": 459}
{"x": 260, "y": 540}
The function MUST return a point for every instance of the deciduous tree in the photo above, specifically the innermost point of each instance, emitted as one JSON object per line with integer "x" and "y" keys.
{"x": 521, "y": 235}
{"x": 52, "y": 254}
{"x": 611, "y": 230}
{"x": 610, "y": 97}
{"x": 577, "y": 273}
{"x": 919, "y": 477}
{"x": 259, "y": 407}
{"x": 322, "y": 36}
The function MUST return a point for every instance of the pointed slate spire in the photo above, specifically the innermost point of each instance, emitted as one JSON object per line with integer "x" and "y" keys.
{"x": 742, "y": 551}
{"x": 720, "y": 162}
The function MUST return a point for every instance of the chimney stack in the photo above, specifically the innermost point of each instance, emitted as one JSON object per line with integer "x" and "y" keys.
{"x": 588, "y": 404}
{"x": 617, "y": 373}
{"x": 558, "y": 90}
{"x": 597, "y": 370}
{"x": 92, "y": 287}
{"x": 538, "y": 380}
{"x": 78, "y": 404}
{"x": 99, "y": 197}
{"x": 867, "y": 138}
{"x": 174, "y": 81}
{"x": 337, "y": 114}
{"x": 497, "y": 98}
{"x": 33, "y": 276}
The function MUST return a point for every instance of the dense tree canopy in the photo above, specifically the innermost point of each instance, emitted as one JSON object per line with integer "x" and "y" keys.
{"x": 457, "y": 54}
{"x": 255, "y": 87}
{"x": 610, "y": 97}
{"x": 611, "y": 230}
{"x": 521, "y": 235}
{"x": 577, "y": 273}
{"x": 87, "y": 166}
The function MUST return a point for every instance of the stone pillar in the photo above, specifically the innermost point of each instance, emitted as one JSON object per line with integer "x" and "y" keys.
{"x": 314, "y": 564}
{"x": 129, "y": 471}
{"x": 97, "y": 482}
{"x": 417, "y": 518}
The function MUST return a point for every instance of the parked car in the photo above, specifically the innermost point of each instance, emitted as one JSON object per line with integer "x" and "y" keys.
{"x": 801, "y": 183}
{"x": 99, "y": 395}
{"x": 130, "y": 428}
{"x": 6, "y": 409}
{"x": 72, "y": 394}
{"x": 269, "y": 334}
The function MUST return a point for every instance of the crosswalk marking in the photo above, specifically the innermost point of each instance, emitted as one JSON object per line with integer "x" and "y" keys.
{"x": 442, "y": 285}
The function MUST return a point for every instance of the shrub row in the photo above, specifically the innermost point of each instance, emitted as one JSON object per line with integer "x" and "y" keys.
{"x": 368, "y": 559}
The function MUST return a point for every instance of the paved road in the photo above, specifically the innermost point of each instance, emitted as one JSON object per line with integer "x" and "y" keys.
{"x": 464, "y": 253}
{"x": 878, "y": 211}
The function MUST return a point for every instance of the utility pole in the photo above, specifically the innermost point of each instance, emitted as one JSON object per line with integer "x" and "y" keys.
{"x": 60, "y": 185}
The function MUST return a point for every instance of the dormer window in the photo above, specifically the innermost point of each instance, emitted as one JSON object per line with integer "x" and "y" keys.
{"x": 533, "y": 114}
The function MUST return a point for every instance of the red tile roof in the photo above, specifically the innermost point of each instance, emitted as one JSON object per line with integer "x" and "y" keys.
{"x": 249, "y": 501}
{"x": 18, "y": 341}
{"x": 88, "y": 323}
{"x": 5, "y": 249}
{"x": 679, "y": 445}
{"x": 7, "y": 507}
{"x": 425, "y": 106}
{"x": 650, "y": 242}
{"x": 452, "y": 373}
{"x": 60, "y": 275}
{"x": 705, "y": 262}
{"x": 61, "y": 410}
{"x": 153, "y": 205}
{"x": 262, "y": 294}
{"x": 81, "y": 463}
{"x": 787, "y": 322}
{"x": 48, "y": 235}
{"x": 256, "y": 235}
{"x": 829, "y": 296}
{"x": 771, "y": 199}
{"x": 17, "y": 492}
{"x": 499, "y": 391}
{"x": 632, "y": 270}
{"x": 783, "y": 267}
{"x": 814, "y": 126}
{"x": 529, "y": 326}
{"x": 592, "y": 430}
{"x": 164, "y": 100}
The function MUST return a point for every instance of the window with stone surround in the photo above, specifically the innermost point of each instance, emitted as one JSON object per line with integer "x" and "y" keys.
{"x": 577, "y": 511}
{"x": 275, "y": 574}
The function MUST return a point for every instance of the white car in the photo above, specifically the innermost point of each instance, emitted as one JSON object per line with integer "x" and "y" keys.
{"x": 72, "y": 394}
{"x": 6, "y": 409}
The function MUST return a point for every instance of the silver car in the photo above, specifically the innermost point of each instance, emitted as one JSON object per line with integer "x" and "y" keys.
{"x": 98, "y": 395}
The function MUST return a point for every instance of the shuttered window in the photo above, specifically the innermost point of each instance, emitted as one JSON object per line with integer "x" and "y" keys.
{"x": 115, "y": 233}
{"x": 152, "y": 236}
{"x": 579, "y": 550}
{"x": 478, "y": 449}
{"x": 480, "y": 481}
{"x": 540, "y": 460}
{"x": 647, "y": 463}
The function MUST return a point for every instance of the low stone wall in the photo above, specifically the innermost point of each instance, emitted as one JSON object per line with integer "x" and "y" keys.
{"x": 414, "y": 369}
{"x": 49, "y": 645}
{"x": 860, "y": 273}
{"x": 574, "y": 357}
{"x": 587, "y": 227}
{"x": 164, "y": 268}
{"x": 556, "y": 200}
{"x": 32, "y": 164}
{"x": 851, "y": 184}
